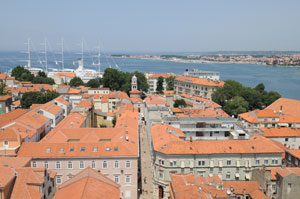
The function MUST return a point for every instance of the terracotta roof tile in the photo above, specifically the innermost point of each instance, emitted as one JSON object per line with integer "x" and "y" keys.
{"x": 88, "y": 184}
{"x": 199, "y": 81}
{"x": 287, "y": 106}
{"x": 281, "y": 132}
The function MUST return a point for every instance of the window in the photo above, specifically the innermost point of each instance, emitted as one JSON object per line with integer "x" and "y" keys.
{"x": 70, "y": 165}
{"x": 228, "y": 162}
{"x": 161, "y": 174}
{"x": 81, "y": 164}
{"x": 93, "y": 164}
{"x": 5, "y": 143}
{"x": 173, "y": 163}
{"x": 95, "y": 149}
{"x": 33, "y": 164}
{"x": 58, "y": 179}
{"x": 257, "y": 162}
{"x": 58, "y": 165}
{"x": 274, "y": 161}
{"x": 117, "y": 180}
{"x": 220, "y": 170}
{"x": 296, "y": 162}
{"x": 286, "y": 139}
{"x": 104, "y": 164}
{"x": 266, "y": 162}
{"x": 127, "y": 179}
{"x": 128, "y": 164}
{"x": 201, "y": 163}
{"x": 71, "y": 149}
{"x": 82, "y": 149}
{"x": 211, "y": 170}
{"x": 46, "y": 164}
{"x": 116, "y": 164}
{"x": 228, "y": 176}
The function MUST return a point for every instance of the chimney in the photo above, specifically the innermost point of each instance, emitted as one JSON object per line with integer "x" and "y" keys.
{"x": 127, "y": 138}
{"x": 200, "y": 190}
{"x": 191, "y": 139}
{"x": 244, "y": 192}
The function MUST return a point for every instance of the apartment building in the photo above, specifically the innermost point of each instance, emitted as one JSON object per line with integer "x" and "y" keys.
{"x": 202, "y": 74}
{"x": 52, "y": 111}
{"x": 18, "y": 180}
{"x": 63, "y": 102}
{"x": 112, "y": 151}
{"x": 91, "y": 184}
{"x": 198, "y": 102}
{"x": 152, "y": 81}
{"x": 196, "y": 86}
{"x": 184, "y": 186}
{"x": 98, "y": 91}
{"x": 289, "y": 137}
{"x": 278, "y": 182}
{"x": 206, "y": 125}
{"x": 253, "y": 120}
{"x": 5, "y": 103}
{"x": 229, "y": 159}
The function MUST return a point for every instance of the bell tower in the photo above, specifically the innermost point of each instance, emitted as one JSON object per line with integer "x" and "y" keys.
{"x": 134, "y": 83}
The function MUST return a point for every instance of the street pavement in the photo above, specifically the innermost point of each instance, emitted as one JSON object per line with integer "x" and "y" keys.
{"x": 146, "y": 165}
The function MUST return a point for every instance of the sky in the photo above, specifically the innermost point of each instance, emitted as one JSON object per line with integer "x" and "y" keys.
{"x": 152, "y": 26}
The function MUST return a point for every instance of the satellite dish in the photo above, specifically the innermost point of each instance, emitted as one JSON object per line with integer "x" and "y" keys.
{"x": 228, "y": 192}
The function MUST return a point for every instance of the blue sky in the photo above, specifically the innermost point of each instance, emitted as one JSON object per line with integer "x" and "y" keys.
{"x": 153, "y": 26}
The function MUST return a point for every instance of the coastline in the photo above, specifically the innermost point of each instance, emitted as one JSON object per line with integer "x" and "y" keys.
{"x": 204, "y": 62}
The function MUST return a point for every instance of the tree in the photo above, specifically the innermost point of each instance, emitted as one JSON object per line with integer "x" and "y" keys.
{"x": 42, "y": 74}
{"x": 170, "y": 83}
{"x": 118, "y": 80}
{"x": 30, "y": 98}
{"x": 159, "y": 85}
{"x": 94, "y": 83}
{"x": 236, "y": 106}
{"x": 76, "y": 81}
{"x": 141, "y": 81}
{"x": 257, "y": 98}
{"x": 270, "y": 97}
{"x": 179, "y": 103}
{"x": 21, "y": 74}
{"x": 113, "y": 79}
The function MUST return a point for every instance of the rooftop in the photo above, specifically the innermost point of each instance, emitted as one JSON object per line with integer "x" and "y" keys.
{"x": 281, "y": 132}
{"x": 199, "y": 81}
{"x": 164, "y": 141}
{"x": 287, "y": 106}
{"x": 88, "y": 184}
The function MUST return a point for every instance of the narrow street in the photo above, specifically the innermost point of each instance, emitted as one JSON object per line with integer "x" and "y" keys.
{"x": 146, "y": 166}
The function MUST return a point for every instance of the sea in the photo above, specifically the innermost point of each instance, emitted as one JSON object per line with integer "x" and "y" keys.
{"x": 285, "y": 80}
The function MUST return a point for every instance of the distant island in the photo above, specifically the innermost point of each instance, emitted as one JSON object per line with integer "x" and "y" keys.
{"x": 288, "y": 59}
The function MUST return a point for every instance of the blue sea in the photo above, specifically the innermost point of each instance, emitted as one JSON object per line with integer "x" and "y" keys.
{"x": 284, "y": 80}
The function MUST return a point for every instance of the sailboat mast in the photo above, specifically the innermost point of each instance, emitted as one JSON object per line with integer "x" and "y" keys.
{"x": 46, "y": 58}
{"x": 62, "y": 54}
{"x": 28, "y": 50}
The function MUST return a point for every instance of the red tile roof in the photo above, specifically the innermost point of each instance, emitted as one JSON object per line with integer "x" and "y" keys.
{"x": 281, "y": 132}
{"x": 167, "y": 142}
{"x": 200, "y": 81}
{"x": 88, "y": 184}
{"x": 288, "y": 106}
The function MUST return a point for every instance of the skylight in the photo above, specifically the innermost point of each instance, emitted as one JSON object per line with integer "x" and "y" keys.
{"x": 116, "y": 149}
{"x": 71, "y": 149}
{"x": 107, "y": 149}
{"x": 61, "y": 150}
{"x": 82, "y": 149}
{"x": 95, "y": 149}
{"x": 48, "y": 149}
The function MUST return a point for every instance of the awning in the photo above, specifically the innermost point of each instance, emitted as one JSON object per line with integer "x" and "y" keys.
{"x": 182, "y": 164}
{"x": 238, "y": 164}
{"x": 247, "y": 176}
{"x": 211, "y": 163}
{"x": 191, "y": 164}
{"x": 220, "y": 163}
